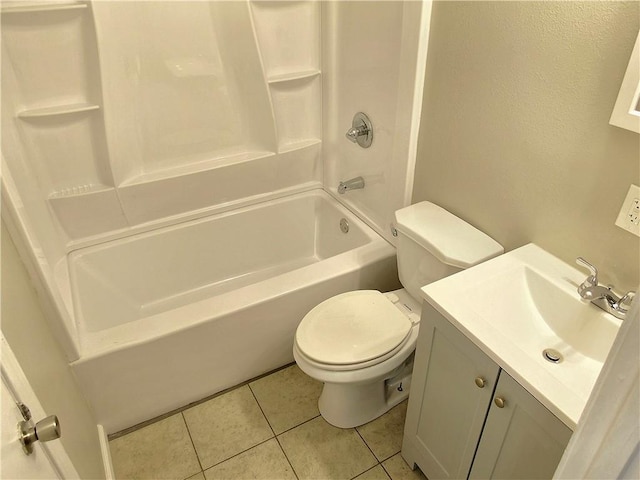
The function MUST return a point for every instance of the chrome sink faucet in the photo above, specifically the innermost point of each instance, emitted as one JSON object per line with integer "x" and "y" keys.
{"x": 601, "y": 296}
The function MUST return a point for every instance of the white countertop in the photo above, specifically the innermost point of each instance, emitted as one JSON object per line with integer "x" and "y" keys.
{"x": 513, "y": 307}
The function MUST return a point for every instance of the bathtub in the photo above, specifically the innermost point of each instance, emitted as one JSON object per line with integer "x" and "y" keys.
{"x": 174, "y": 315}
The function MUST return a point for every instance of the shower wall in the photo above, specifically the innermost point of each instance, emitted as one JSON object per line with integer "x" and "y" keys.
{"x": 373, "y": 61}
{"x": 131, "y": 112}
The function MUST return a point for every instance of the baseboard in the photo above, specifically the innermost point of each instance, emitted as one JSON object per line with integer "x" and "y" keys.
{"x": 106, "y": 454}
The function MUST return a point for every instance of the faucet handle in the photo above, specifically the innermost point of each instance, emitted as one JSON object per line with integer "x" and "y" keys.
{"x": 592, "y": 279}
{"x": 627, "y": 298}
{"x": 361, "y": 131}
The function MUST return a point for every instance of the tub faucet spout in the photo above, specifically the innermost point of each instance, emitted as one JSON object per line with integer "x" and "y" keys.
{"x": 352, "y": 184}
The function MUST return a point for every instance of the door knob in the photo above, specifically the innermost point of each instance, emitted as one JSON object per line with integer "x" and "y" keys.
{"x": 45, "y": 430}
{"x": 480, "y": 382}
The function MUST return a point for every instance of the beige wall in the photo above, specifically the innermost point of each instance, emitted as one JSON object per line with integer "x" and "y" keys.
{"x": 26, "y": 329}
{"x": 515, "y": 135}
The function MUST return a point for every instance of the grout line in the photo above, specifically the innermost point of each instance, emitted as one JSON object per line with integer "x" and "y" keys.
{"x": 365, "y": 442}
{"x": 298, "y": 425}
{"x": 261, "y": 410}
{"x": 192, "y": 442}
{"x": 374, "y": 455}
{"x": 392, "y": 455}
{"x": 369, "y": 469}
{"x": 274, "y": 434}
{"x": 287, "y": 457}
{"x": 191, "y": 476}
{"x": 386, "y": 471}
{"x": 239, "y": 453}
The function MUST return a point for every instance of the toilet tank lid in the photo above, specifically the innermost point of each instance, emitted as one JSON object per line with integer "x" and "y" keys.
{"x": 447, "y": 237}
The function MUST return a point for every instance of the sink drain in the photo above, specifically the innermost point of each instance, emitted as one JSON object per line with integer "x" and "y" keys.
{"x": 551, "y": 355}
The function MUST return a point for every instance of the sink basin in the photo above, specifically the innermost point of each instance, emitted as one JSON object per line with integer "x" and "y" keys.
{"x": 581, "y": 325}
{"x": 528, "y": 307}
{"x": 522, "y": 304}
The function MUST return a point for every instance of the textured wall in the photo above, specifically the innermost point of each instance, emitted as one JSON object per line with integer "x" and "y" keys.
{"x": 45, "y": 365}
{"x": 515, "y": 135}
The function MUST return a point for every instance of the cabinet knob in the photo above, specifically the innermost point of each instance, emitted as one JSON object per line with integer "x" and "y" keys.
{"x": 499, "y": 401}
{"x": 480, "y": 382}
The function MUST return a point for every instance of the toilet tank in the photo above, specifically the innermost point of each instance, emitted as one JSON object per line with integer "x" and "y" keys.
{"x": 433, "y": 243}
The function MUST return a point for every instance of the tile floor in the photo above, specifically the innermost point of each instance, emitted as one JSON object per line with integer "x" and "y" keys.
{"x": 269, "y": 428}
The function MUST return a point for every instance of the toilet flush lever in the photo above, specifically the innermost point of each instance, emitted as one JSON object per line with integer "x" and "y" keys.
{"x": 45, "y": 430}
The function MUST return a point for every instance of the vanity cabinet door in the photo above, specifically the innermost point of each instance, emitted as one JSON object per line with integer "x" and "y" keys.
{"x": 452, "y": 387}
{"x": 521, "y": 439}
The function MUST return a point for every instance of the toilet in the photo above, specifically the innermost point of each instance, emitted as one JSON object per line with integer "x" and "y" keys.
{"x": 361, "y": 343}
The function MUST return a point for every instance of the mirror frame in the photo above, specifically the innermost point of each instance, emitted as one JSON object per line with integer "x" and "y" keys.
{"x": 626, "y": 111}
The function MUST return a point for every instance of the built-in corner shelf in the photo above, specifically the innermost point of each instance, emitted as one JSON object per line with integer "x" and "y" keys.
{"x": 289, "y": 39}
{"x": 57, "y": 110}
{"x": 79, "y": 190}
{"x": 298, "y": 145}
{"x": 288, "y": 77}
{"x": 87, "y": 210}
{"x": 177, "y": 171}
{"x": 297, "y": 108}
{"x": 30, "y": 7}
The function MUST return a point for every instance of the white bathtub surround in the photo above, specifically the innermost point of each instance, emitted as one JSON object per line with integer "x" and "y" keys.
{"x": 171, "y": 316}
{"x": 207, "y": 94}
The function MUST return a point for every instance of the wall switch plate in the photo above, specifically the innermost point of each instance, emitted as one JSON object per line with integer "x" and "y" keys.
{"x": 629, "y": 216}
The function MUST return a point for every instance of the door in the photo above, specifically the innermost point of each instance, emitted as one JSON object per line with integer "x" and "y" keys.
{"x": 452, "y": 386}
{"x": 521, "y": 439}
{"x": 48, "y": 461}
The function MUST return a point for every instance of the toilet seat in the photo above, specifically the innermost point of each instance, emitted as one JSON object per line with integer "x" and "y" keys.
{"x": 353, "y": 330}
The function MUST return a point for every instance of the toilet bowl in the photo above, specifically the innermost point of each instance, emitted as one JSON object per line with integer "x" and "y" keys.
{"x": 361, "y": 343}
{"x": 363, "y": 378}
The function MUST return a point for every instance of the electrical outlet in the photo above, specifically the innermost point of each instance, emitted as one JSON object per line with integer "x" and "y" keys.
{"x": 629, "y": 216}
{"x": 634, "y": 212}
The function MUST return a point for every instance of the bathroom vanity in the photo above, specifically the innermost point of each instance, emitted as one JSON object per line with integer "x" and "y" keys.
{"x": 464, "y": 400}
{"x": 506, "y": 358}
